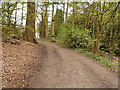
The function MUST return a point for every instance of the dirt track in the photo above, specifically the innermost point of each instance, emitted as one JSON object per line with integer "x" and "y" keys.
{"x": 65, "y": 68}
{"x": 48, "y": 65}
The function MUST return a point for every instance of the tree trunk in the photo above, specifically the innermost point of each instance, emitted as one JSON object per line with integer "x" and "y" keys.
{"x": 100, "y": 26}
{"x": 93, "y": 37}
{"x": 73, "y": 15}
{"x": 96, "y": 34}
{"x": 46, "y": 14}
{"x": 66, "y": 13}
{"x": 44, "y": 24}
{"x": 30, "y": 23}
{"x": 15, "y": 15}
{"x": 42, "y": 28}
{"x": 52, "y": 22}
{"x": 63, "y": 10}
{"x": 110, "y": 40}
{"x": 22, "y": 14}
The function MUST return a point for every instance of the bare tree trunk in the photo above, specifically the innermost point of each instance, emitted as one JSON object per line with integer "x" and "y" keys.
{"x": 100, "y": 26}
{"x": 30, "y": 23}
{"x": 16, "y": 15}
{"x": 96, "y": 34}
{"x": 44, "y": 24}
{"x": 66, "y": 13}
{"x": 110, "y": 40}
{"x": 46, "y": 14}
{"x": 52, "y": 25}
{"x": 93, "y": 37}
{"x": 73, "y": 15}
{"x": 63, "y": 10}
{"x": 42, "y": 28}
{"x": 22, "y": 14}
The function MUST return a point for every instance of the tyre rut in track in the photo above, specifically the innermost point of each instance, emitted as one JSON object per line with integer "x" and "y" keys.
{"x": 64, "y": 68}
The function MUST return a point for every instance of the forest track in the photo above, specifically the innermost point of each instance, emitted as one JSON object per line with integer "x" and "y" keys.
{"x": 48, "y": 65}
{"x": 65, "y": 68}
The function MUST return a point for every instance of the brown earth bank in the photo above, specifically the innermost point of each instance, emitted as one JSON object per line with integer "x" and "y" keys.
{"x": 47, "y": 65}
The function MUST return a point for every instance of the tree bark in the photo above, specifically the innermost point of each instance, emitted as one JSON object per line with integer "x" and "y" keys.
{"x": 42, "y": 27}
{"x": 110, "y": 40}
{"x": 22, "y": 14}
{"x": 63, "y": 10}
{"x": 73, "y": 15}
{"x": 93, "y": 37}
{"x": 66, "y": 13}
{"x": 52, "y": 22}
{"x": 30, "y": 23}
{"x": 46, "y": 14}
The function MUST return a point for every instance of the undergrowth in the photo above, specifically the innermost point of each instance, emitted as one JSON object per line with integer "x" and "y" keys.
{"x": 104, "y": 60}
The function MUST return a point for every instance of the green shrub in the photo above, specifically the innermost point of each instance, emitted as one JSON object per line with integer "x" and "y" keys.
{"x": 74, "y": 37}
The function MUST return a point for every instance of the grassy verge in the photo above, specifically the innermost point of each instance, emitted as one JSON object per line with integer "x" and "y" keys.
{"x": 104, "y": 60}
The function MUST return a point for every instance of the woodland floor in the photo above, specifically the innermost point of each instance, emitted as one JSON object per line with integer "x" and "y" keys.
{"x": 48, "y": 65}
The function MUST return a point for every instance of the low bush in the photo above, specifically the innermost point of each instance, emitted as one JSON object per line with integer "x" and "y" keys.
{"x": 74, "y": 37}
